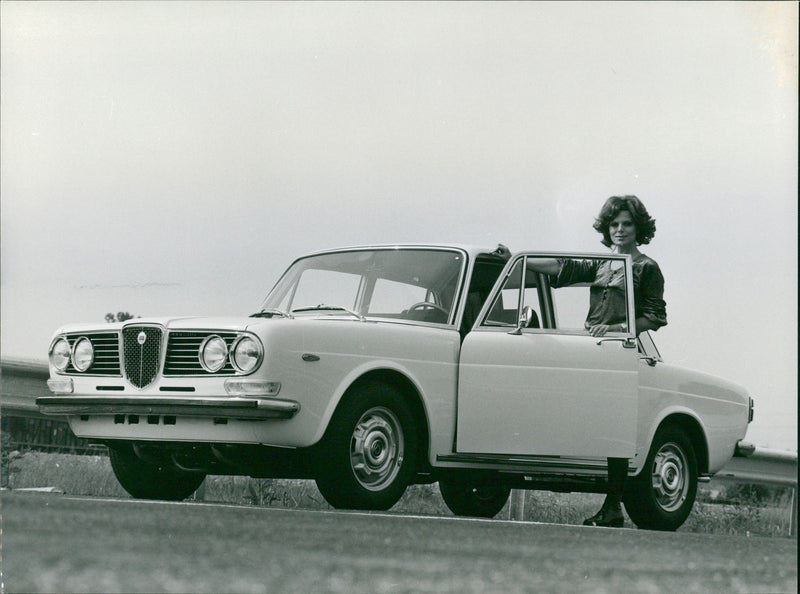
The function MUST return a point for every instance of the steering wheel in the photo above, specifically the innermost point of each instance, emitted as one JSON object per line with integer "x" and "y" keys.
{"x": 428, "y": 305}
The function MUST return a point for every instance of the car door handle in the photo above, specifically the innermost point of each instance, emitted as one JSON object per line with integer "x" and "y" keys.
{"x": 628, "y": 343}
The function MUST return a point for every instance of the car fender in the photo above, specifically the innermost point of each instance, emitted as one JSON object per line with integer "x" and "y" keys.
{"x": 664, "y": 416}
{"x": 360, "y": 371}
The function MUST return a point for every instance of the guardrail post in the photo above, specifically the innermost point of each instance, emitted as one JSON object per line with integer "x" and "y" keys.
{"x": 516, "y": 507}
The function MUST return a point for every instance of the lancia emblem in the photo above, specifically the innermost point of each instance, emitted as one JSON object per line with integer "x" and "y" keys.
{"x": 142, "y": 338}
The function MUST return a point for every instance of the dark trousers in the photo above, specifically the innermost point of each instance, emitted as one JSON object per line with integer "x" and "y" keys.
{"x": 617, "y": 473}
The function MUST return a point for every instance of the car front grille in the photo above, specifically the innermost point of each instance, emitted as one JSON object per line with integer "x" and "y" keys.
{"x": 183, "y": 350}
{"x": 142, "y": 350}
{"x": 106, "y": 353}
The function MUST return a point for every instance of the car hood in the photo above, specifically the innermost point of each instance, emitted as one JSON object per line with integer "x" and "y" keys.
{"x": 219, "y": 323}
{"x": 185, "y": 323}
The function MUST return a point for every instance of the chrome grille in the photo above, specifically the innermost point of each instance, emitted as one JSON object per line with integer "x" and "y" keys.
{"x": 142, "y": 349}
{"x": 183, "y": 350}
{"x": 106, "y": 353}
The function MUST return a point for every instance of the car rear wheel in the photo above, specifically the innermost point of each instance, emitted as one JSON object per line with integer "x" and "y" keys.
{"x": 147, "y": 480}
{"x": 663, "y": 494}
{"x": 367, "y": 456}
{"x": 467, "y": 499}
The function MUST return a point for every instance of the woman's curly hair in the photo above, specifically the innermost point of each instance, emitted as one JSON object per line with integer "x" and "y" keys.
{"x": 645, "y": 224}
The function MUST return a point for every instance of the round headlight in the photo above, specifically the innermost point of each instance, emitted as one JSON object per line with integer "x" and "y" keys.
{"x": 213, "y": 354}
{"x": 246, "y": 354}
{"x": 59, "y": 354}
{"x": 82, "y": 354}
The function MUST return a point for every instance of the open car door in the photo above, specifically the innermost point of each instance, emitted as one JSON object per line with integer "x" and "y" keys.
{"x": 544, "y": 386}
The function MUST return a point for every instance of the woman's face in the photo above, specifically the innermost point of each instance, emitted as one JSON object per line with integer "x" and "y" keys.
{"x": 622, "y": 230}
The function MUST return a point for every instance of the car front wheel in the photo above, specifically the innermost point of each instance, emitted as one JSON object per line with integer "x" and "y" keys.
{"x": 367, "y": 456}
{"x": 476, "y": 500}
{"x": 147, "y": 480}
{"x": 663, "y": 494}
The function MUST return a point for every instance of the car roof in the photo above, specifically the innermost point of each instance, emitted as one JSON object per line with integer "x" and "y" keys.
{"x": 471, "y": 250}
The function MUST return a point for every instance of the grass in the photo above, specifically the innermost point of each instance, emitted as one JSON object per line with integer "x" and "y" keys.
{"x": 92, "y": 476}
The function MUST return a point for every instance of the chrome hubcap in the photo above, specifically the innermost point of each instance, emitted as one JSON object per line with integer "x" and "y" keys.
{"x": 377, "y": 448}
{"x": 670, "y": 478}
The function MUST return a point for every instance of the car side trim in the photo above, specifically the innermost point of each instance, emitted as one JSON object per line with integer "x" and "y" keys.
{"x": 527, "y": 461}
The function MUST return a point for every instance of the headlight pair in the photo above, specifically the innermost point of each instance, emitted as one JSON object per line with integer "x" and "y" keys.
{"x": 81, "y": 354}
{"x": 245, "y": 354}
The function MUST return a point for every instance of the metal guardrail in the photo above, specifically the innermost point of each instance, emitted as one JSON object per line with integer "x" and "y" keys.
{"x": 23, "y": 426}
{"x": 22, "y": 381}
{"x": 765, "y": 467}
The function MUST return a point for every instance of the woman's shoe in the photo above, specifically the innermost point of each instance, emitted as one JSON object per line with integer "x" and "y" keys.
{"x": 609, "y": 517}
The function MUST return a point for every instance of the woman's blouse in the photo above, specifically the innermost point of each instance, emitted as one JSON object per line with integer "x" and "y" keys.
{"x": 607, "y": 293}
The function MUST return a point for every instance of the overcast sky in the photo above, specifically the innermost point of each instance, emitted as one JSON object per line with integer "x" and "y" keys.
{"x": 170, "y": 158}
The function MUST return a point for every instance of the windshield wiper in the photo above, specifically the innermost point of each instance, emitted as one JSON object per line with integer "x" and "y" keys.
{"x": 324, "y": 307}
{"x": 269, "y": 312}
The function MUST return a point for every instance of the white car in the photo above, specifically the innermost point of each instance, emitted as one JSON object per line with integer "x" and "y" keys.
{"x": 372, "y": 368}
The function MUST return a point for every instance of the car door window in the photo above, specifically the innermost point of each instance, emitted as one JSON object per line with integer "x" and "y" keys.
{"x": 512, "y": 298}
{"x": 588, "y": 289}
{"x": 505, "y": 307}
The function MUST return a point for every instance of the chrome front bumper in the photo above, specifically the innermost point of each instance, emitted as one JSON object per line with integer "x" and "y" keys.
{"x": 230, "y": 408}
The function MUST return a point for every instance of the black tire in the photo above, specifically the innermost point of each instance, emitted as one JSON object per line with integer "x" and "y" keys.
{"x": 145, "y": 480}
{"x": 479, "y": 501}
{"x": 662, "y": 495}
{"x": 367, "y": 457}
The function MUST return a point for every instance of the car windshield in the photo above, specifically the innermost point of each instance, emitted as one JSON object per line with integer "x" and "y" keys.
{"x": 411, "y": 284}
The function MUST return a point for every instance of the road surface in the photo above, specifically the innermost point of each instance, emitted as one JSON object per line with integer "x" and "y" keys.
{"x": 55, "y": 543}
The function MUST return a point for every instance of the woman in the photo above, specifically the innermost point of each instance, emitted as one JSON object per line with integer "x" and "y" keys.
{"x": 625, "y": 224}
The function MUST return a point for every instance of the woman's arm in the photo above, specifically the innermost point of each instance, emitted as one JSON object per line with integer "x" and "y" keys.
{"x": 651, "y": 309}
{"x": 642, "y": 325}
{"x": 545, "y": 265}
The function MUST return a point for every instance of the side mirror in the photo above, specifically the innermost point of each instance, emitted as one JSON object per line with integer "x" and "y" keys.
{"x": 525, "y": 318}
